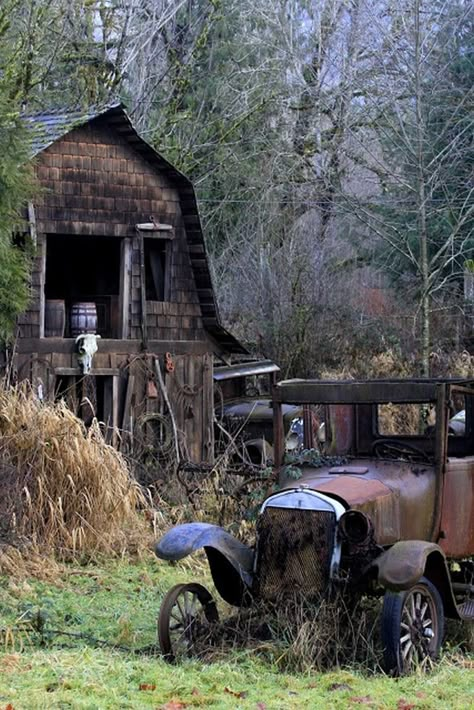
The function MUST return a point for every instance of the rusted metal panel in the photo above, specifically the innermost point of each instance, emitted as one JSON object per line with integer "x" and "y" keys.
{"x": 354, "y": 491}
{"x": 373, "y": 498}
{"x": 352, "y": 392}
{"x": 398, "y": 496}
{"x": 341, "y": 418}
{"x": 403, "y": 565}
{"x": 308, "y": 442}
{"x": 457, "y": 517}
{"x": 278, "y": 434}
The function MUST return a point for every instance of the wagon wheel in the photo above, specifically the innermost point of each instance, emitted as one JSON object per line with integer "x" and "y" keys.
{"x": 388, "y": 447}
{"x": 412, "y": 627}
{"x": 153, "y": 438}
{"x": 184, "y": 612}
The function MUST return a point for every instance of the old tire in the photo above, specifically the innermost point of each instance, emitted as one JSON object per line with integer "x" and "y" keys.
{"x": 184, "y": 614}
{"x": 412, "y": 628}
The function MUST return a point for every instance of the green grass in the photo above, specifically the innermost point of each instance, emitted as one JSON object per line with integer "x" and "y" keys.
{"x": 117, "y": 602}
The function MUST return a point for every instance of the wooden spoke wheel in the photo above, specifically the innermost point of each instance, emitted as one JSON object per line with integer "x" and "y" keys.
{"x": 185, "y": 612}
{"x": 412, "y": 628}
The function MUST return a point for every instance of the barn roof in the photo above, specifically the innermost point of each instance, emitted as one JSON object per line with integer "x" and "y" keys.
{"x": 52, "y": 126}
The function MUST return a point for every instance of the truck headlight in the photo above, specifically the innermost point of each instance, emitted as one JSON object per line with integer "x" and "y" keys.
{"x": 355, "y": 527}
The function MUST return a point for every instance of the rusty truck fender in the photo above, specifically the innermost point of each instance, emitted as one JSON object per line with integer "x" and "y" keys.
{"x": 403, "y": 564}
{"x": 230, "y": 561}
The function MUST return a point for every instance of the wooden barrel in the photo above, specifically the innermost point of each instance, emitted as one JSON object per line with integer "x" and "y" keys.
{"x": 54, "y": 318}
{"x": 83, "y": 318}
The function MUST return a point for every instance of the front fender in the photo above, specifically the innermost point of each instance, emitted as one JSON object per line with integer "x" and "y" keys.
{"x": 401, "y": 566}
{"x": 230, "y": 561}
{"x": 404, "y": 563}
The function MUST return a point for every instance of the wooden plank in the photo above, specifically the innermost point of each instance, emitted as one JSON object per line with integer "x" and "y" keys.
{"x": 192, "y": 437}
{"x": 115, "y": 406}
{"x": 98, "y": 371}
{"x": 207, "y": 423}
{"x": 142, "y": 290}
{"x": 125, "y": 275}
{"x": 126, "y": 419}
{"x": 108, "y": 410}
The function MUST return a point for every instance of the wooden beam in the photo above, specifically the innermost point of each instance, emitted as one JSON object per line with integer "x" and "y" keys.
{"x": 118, "y": 347}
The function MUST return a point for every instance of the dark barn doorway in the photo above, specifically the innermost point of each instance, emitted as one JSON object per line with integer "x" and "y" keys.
{"x": 86, "y": 269}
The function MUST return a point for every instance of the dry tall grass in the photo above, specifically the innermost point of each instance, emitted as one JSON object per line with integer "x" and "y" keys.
{"x": 62, "y": 488}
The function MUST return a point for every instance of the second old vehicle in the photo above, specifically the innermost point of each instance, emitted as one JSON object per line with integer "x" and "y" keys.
{"x": 387, "y": 508}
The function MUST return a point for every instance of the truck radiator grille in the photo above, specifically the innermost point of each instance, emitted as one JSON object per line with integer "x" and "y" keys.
{"x": 294, "y": 551}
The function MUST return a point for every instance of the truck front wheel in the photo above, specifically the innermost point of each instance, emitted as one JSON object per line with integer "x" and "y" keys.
{"x": 412, "y": 627}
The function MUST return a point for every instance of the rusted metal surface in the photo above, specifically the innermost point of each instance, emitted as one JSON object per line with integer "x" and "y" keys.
{"x": 353, "y": 392}
{"x": 231, "y": 561}
{"x": 342, "y": 428}
{"x": 403, "y": 565}
{"x": 308, "y": 442}
{"x": 457, "y": 518}
{"x": 278, "y": 437}
{"x": 355, "y": 492}
{"x": 347, "y": 468}
{"x": 397, "y": 495}
{"x": 245, "y": 369}
{"x": 258, "y": 410}
{"x": 294, "y": 551}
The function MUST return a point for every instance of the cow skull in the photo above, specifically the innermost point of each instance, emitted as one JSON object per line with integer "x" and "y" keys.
{"x": 86, "y": 347}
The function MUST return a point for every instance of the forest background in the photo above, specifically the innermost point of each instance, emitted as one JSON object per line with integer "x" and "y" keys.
{"x": 330, "y": 143}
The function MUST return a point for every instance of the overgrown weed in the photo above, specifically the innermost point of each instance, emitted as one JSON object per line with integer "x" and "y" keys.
{"x": 298, "y": 636}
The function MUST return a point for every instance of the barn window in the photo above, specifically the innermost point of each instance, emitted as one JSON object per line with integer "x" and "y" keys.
{"x": 156, "y": 269}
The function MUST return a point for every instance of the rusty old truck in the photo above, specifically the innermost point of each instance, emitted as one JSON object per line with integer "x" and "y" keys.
{"x": 386, "y": 508}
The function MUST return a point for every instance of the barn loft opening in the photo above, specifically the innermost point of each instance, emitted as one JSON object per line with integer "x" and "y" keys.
{"x": 156, "y": 268}
{"x": 82, "y": 270}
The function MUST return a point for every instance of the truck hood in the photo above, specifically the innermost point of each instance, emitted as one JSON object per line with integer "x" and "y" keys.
{"x": 396, "y": 495}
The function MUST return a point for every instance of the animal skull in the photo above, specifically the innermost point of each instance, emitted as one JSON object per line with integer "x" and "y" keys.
{"x": 86, "y": 347}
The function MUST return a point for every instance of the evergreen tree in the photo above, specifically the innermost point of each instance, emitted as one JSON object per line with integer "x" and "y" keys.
{"x": 16, "y": 186}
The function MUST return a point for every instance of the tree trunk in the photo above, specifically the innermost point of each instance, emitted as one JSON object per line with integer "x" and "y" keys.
{"x": 421, "y": 205}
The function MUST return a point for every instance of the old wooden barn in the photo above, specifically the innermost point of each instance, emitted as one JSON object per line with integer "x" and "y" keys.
{"x": 120, "y": 253}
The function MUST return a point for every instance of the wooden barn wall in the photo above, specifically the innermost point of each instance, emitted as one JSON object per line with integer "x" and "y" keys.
{"x": 94, "y": 183}
{"x": 189, "y": 386}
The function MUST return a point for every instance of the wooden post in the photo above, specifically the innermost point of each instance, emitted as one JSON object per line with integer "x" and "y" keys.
{"x": 42, "y": 296}
{"x": 143, "y": 291}
{"x": 125, "y": 269}
{"x": 278, "y": 437}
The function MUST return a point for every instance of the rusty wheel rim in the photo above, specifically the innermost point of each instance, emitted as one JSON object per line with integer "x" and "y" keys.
{"x": 419, "y": 629}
